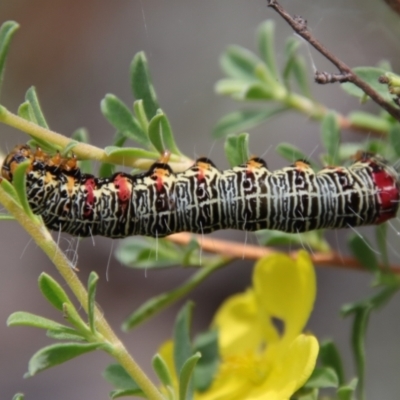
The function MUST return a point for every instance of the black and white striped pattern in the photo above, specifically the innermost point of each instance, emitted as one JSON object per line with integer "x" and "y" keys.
{"x": 204, "y": 199}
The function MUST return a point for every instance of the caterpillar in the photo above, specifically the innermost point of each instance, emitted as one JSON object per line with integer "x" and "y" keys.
{"x": 203, "y": 199}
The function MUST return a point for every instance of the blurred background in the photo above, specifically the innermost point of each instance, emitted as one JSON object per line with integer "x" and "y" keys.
{"x": 74, "y": 52}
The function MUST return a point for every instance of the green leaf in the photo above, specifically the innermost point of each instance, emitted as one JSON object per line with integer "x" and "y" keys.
{"x": 313, "y": 239}
{"x": 359, "y": 329}
{"x": 45, "y": 146}
{"x": 161, "y": 369}
{"x": 119, "y": 378}
{"x": 131, "y": 152}
{"x": 362, "y": 250}
{"x": 324, "y": 377}
{"x": 73, "y": 317}
{"x": 346, "y": 392}
{"x": 183, "y": 346}
{"x": 116, "y": 394}
{"x": 22, "y": 318}
{"x": 293, "y": 153}
{"x": 238, "y": 62}
{"x": 369, "y": 121}
{"x": 9, "y": 188}
{"x": 265, "y": 34}
{"x": 330, "y": 357}
{"x": 163, "y": 300}
{"x": 140, "y": 113}
{"x": 207, "y": 345}
{"x": 56, "y": 354}
{"x": 330, "y": 135}
{"x": 142, "y": 86}
{"x": 237, "y": 149}
{"x": 106, "y": 170}
{"x": 24, "y": 112}
{"x": 7, "y": 31}
{"x": 185, "y": 377}
{"x": 371, "y": 76}
{"x": 119, "y": 115}
{"x": 160, "y": 134}
{"x": 145, "y": 253}
{"x": 65, "y": 151}
{"x": 19, "y": 182}
{"x": 377, "y": 146}
{"x": 300, "y": 73}
{"x": 33, "y": 99}
{"x": 291, "y": 46}
{"x": 65, "y": 334}
{"x": 240, "y": 121}
{"x": 232, "y": 87}
{"x": 394, "y": 138}
{"x": 92, "y": 283}
{"x": 53, "y": 292}
{"x": 81, "y": 135}
{"x": 18, "y": 396}
{"x": 259, "y": 91}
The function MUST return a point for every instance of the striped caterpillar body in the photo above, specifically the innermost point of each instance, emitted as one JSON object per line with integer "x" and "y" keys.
{"x": 203, "y": 199}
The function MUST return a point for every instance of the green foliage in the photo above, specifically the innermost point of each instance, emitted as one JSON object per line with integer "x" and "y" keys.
{"x": 330, "y": 135}
{"x": 7, "y": 31}
{"x": 207, "y": 345}
{"x": 119, "y": 115}
{"x": 160, "y": 134}
{"x": 292, "y": 154}
{"x": 371, "y": 76}
{"x": 156, "y": 304}
{"x": 92, "y": 283}
{"x": 141, "y": 84}
{"x": 237, "y": 149}
{"x": 120, "y": 379}
{"x": 145, "y": 253}
{"x": 248, "y": 78}
{"x": 56, "y": 354}
{"x": 330, "y": 357}
{"x": 19, "y": 181}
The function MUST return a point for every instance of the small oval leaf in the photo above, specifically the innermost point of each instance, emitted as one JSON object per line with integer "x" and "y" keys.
{"x": 142, "y": 86}
{"x": 119, "y": 115}
{"x": 20, "y": 318}
{"x": 53, "y": 292}
{"x": 57, "y": 354}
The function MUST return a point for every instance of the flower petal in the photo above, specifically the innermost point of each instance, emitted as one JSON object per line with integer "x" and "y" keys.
{"x": 238, "y": 324}
{"x": 286, "y": 289}
{"x": 290, "y": 372}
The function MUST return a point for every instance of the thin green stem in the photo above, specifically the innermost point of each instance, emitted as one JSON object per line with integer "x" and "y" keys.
{"x": 82, "y": 150}
{"x": 45, "y": 241}
{"x": 163, "y": 300}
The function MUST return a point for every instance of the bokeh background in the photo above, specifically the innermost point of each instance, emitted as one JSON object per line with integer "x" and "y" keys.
{"x": 74, "y": 52}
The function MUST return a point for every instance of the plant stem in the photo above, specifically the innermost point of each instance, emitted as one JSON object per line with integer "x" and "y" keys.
{"x": 299, "y": 25}
{"x": 82, "y": 150}
{"x": 249, "y": 252}
{"x": 45, "y": 241}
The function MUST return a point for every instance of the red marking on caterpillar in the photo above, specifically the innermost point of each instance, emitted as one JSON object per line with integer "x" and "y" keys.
{"x": 204, "y": 199}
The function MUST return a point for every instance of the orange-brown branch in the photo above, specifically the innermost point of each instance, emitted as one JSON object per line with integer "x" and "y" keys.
{"x": 251, "y": 252}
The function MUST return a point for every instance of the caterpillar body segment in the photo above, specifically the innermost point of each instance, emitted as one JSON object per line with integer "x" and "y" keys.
{"x": 203, "y": 199}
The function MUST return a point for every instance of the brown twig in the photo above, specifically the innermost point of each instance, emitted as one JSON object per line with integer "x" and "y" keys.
{"x": 249, "y": 252}
{"x": 299, "y": 25}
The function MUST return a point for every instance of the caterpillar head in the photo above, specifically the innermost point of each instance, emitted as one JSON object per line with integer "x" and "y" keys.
{"x": 18, "y": 155}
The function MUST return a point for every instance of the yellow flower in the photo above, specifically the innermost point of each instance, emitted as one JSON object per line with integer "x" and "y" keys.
{"x": 259, "y": 361}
